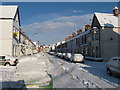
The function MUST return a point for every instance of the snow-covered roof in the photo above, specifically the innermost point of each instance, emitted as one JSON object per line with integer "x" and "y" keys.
{"x": 115, "y": 8}
{"x": 58, "y": 43}
{"x": 8, "y": 11}
{"x": 107, "y": 20}
{"x": 62, "y": 42}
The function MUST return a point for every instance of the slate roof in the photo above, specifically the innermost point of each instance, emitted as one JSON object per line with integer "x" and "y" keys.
{"x": 107, "y": 20}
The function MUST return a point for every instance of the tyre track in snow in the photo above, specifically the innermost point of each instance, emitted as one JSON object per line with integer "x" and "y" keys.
{"x": 67, "y": 79}
{"x": 76, "y": 79}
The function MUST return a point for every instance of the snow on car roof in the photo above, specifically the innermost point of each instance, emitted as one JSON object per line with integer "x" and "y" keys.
{"x": 107, "y": 20}
{"x": 115, "y": 57}
{"x": 4, "y": 55}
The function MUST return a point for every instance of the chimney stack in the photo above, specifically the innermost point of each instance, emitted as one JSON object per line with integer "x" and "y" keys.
{"x": 70, "y": 36}
{"x": 73, "y": 34}
{"x": 87, "y": 26}
{"x": 115, "y": 11}
{"x": 67, "y": 38}
{"x": 79, "y": 31}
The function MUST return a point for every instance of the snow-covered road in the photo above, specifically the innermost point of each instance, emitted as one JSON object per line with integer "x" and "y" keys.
{"x": 65, "y": 74}
{"x": 77, "y": 75}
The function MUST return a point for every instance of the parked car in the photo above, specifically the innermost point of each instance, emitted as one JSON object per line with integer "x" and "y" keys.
{"x": 68, "y": 56}
{"x": 55, "y": 53}
{"x": 63, "y": 55}
{"x": 77, "y": 58}
{"x": 113, "y": 66}
{"x": 51, "y": 53}
{"x": 7, "y": 60}
{"x": 59, "y": 54}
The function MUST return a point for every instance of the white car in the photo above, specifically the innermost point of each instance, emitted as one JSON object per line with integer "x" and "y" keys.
{"x": 7, "y": 60}
{"x": 55, "y": 54}
{"x": 63, "y": 55}
{"x": 77, "y": 58}
{"x": 113, "y": 66}
{"x": 68, "y": 56}
{"x": 59, "y": 54}
{"x": 51, "y": 53}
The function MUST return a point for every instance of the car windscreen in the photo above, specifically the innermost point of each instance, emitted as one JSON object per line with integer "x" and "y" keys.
{"x": 2, "y": 57}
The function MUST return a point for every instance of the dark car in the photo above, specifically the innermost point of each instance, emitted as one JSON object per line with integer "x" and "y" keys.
{"x": 113, "y": 66}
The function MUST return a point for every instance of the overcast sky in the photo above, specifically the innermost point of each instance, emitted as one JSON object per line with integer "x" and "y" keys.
{"x": 50, "y": 22}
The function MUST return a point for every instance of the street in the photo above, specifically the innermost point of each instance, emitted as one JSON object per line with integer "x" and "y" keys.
{"x": 59, "y": 45}
{"x": 64, "y": 73}
{"x": 76, "y": 75}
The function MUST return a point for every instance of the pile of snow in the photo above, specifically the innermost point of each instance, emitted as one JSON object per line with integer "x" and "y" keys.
{"x": 31, "y": 69}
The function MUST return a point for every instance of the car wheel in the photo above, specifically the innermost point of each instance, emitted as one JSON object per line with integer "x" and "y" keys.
{"x": 109, "y": 72}
{"x": 72, "y": 60}
{"x": 7, "y": 64}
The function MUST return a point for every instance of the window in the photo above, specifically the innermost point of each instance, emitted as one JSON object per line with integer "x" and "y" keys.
{"x": 80, "y": 40}
{"x": 76, "y": 41}
{"x": 114, "y": 59}
{"x": 97, "y": 36}
{"x": 86, "y": 51}
{"x": 14, "y": 29}
{"x": 2, "y": 57}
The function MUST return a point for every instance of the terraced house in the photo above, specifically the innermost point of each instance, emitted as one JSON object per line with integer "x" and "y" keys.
{"x": 100, "y": 40}
{"x": 13, "y": 41}
{"x": 106, "y": 35}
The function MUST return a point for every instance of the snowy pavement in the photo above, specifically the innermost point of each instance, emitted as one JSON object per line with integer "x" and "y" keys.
{"x": 99, "y": 69}
{"x": 5, "y": 75}
{"x": 64, "y": 73}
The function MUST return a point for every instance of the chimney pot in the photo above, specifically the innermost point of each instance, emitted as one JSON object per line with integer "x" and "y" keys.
{"x": 79, "y": 31}
{"x": 87, "y": 26}
{"x": 67, "y": 38}
{"x": 73, "y": 34}
{"x": 115, "y": 11}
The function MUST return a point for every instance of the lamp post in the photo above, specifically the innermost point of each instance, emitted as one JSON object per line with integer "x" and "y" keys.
{"x": 0, "y": 2}
{"x": 34, "y": 36}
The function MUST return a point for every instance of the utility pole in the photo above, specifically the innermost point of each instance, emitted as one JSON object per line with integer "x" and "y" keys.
{"x": 38, "y": 42}
{"x": 91, "y": 21}
{"x": 0, "y": 2}
{"x": 34, "y": 36}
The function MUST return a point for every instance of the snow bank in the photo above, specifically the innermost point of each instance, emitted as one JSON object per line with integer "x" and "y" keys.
{"x": 31, "y": 69}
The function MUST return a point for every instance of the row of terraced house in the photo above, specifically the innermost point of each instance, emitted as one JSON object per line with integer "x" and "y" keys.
{"x": 100, "y": 40}
{"x": 13, "y": 41}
